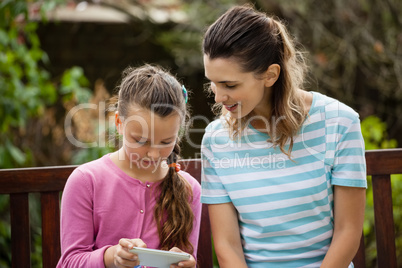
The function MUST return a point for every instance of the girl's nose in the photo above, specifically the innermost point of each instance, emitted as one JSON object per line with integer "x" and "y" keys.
{"x": 153, "y": 153}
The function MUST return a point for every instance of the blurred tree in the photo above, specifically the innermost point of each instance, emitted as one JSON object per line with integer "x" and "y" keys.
{"x": 26, "y": 87}
{"x": 28, "y": 93}
{"x": 354, "y": 47}
{"x": 355, "y": 50}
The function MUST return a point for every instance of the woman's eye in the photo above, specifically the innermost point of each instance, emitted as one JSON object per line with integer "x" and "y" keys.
{"x": 230, "y": 86}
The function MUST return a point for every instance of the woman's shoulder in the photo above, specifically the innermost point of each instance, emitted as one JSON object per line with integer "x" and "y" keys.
{"x": 219, "y": 124}
{"x": 331, "y": 107}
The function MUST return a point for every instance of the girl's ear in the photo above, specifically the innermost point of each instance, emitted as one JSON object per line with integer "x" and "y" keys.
{"x": 118, "y": 123}
{"x": 272, "y": 74}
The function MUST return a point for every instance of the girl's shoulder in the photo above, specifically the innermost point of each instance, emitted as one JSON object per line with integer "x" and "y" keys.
{"x": 195, "y": 186}
{"x": 190, "y": 179}
{"x": 97, "y": 165}
{"x": 87, "y": 172}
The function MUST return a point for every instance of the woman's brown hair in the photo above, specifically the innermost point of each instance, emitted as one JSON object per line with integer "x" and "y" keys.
{"x": 257, "y": 41}
{"x": 154, "y": 88}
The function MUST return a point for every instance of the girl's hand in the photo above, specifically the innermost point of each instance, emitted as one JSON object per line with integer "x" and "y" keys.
{"x": 122, "y": 257}
{"x": 191, "y": 263}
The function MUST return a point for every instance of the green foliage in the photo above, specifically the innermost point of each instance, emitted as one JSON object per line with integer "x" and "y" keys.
{"x": 72, "y": 84}
{"x": 184, "y": 40}
{"x": 25, "y": 86}
{"x": 5, "y": 232}
{"x": 86, "y": 155}
{"x": 89, "y": 154}
{"x": 353, "y": 50}
{"x": 26, "y": 90}
{"x": 375, "y": 134}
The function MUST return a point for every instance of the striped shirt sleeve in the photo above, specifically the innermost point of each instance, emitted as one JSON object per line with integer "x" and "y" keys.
{"x": 213, "y": 191}
{"x": 346, "y": 147}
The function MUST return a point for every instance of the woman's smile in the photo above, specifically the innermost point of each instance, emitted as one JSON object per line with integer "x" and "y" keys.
{"x": 231, "y": 108}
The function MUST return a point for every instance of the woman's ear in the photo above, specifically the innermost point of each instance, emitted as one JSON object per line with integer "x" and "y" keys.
{"x": 118, "y": 123}
{"x": 272, "y": 74}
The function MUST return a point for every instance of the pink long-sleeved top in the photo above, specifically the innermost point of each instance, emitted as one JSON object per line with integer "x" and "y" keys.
{"x": 101, "y": 204}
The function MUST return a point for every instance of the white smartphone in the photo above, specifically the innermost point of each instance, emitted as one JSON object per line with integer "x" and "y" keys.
{"x": 159, "y": 258}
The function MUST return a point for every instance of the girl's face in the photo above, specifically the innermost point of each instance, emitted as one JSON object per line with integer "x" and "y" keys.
{"x": 239, "y": 92}
{"x": 148, "y": 139}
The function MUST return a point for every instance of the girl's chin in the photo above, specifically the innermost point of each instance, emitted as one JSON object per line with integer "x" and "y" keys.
{"x": 148, "y": 164}
{"x": 145, "y": 164}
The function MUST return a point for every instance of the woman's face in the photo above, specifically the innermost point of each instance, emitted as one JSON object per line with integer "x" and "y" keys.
{"x": 239, "y": 92}
{"x": 148, "y": 139}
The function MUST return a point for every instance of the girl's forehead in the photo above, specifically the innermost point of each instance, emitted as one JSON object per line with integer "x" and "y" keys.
{"x": 145, "y": 123}
{"x": 139, "y": 112}
{"x": 136, "y": 110}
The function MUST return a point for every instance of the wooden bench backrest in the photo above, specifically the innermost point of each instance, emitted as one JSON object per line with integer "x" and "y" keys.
{"x": 381, "y": 164}
{"x": 50, "y": 181}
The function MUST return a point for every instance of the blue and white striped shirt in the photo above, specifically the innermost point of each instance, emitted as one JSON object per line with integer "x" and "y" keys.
{"x": 285, "y": 207}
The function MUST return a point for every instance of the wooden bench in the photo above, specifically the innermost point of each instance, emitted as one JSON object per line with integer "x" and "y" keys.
{"x": 50, "y": 181}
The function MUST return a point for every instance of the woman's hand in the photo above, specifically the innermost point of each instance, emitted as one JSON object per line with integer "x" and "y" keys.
{"x": 191, "y": 263}
{"x": 119, "y": 255}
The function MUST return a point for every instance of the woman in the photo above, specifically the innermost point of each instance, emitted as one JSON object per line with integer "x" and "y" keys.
{"x": 283, "y": 169}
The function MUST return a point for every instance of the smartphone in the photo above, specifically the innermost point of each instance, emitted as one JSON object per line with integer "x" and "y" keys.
{"x": 159, "y": 258}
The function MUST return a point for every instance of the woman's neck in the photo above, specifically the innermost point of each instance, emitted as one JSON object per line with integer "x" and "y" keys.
{"x": 262, "y": 120}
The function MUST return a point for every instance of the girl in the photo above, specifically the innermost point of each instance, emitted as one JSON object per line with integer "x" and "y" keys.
{"x": 283, "y": 168}
{"x": 135, "y": 196}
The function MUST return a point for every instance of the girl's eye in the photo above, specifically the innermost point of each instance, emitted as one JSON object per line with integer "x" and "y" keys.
{"x": 230, "y": 86}
{"x": 166, "y": 142}
{"x": 142, "y": 142}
